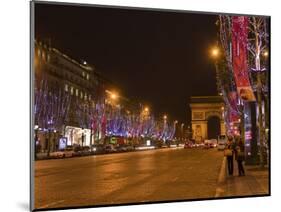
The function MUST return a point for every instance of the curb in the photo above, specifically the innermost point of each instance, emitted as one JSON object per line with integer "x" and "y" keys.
{"x": 221, "y": 179}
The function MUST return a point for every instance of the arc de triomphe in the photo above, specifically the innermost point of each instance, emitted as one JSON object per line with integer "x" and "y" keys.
{"x": 202, "y": 109}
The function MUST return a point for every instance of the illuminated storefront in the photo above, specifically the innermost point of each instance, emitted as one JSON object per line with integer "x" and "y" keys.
{"x": 251, "y": 147}
{"x": 78, "y": 136}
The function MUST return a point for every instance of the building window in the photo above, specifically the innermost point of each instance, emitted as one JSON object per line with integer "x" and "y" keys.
{"x": 90, "y": 97}
{"x": 39, "y": 52}
{"x": 48, "y": 57}
{"x": 66, "y": 87}
{"x": 83, "y": 74}
{"x": 71, "y": 91}
{"x": 81, "y": 95}
{"x": 88, "y": 77}
{"x": 77, "y": 91}
{"x": 85, "y": 97}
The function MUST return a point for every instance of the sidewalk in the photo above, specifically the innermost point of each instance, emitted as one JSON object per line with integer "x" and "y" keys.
{"x": 256, "y": 182}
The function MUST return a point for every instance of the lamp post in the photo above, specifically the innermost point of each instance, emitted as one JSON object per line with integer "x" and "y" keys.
{"x": 50, "y": 125}
{"x": 165, "y": 117}
{"x": 189, "y": 132}
{"x": 82, "y": 136}
{"x": 182, "y": 125}
{"x": 175, "y": 127}
{"x": 91, "y": 137}
{"x": 49, "y": 142}
{"x": 215, "y": 54}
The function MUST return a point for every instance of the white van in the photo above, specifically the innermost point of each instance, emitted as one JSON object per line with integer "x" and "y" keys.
{"x": 222, "y": 139}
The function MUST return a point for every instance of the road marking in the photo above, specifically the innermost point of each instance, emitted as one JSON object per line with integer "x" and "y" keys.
{"x": 221, "y": 179}
{"x": 60, "y": 182}
{"x": 52, "y": 204}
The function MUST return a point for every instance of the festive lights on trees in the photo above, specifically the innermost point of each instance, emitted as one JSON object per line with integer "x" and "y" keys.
{"x": 51, "y": 109}
{"x": 256, "y": 42}
{"x": 257, "y": 46}
{"x": 225, "y": 73}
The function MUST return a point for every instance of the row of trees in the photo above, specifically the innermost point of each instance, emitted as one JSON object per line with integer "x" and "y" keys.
{"x": 55, "y": 108}
{"x": 51, "y": 106}
{"x": 257, "y": 52}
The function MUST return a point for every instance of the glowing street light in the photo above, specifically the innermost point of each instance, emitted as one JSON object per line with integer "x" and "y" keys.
{"x": 165, "y": 117}
{"x": 113, "y": 96}
{"x": 215, "y": 52}
{"x": 146, "y": 109}
{"x": 265, "y": 53}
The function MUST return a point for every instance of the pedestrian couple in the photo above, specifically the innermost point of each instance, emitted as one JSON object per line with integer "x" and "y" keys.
{"x": 235, "y": 149}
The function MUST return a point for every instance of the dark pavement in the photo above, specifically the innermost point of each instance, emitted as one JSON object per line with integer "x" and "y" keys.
{"x": 154, "y": 175}
{"x": 255, "y": 182}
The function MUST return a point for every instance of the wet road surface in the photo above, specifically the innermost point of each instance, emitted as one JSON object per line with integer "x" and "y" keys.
{"x": 154, "y": 175}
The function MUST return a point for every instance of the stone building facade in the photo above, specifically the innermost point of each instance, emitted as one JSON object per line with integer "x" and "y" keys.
{"x": 202, "y": 109}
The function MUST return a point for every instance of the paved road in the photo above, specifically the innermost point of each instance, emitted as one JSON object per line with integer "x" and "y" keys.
{"x": 155, "y": 175}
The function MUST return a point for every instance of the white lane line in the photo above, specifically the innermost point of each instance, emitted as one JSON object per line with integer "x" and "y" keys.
{"x": 221, "y": 179}
{"x": 52, "y": 204}
{"x": 60, "y": 182}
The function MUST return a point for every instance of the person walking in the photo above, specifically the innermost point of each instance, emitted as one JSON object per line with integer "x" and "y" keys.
{"x": 240, "y": 157}
{"x": 228, "y": 153}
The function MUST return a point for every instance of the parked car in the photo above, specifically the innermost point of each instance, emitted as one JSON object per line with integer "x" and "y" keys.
{"x": 124, "y": 148}
{"x": 98, "y": 149}
{"x": 213, "y": 143}
{"x": 221, "y": 145}
{"x": 121, "y": 148}
{"x": 221, "y": 142}
{"x": 200, "y": 145}
{"x": 188, "y": 145}
{"x": 41, "y": 155}
{"x": 191, "y": 140}
{"x": 109, "y": 149}
{"x": 206, "y": 146}
{"x": 67, "y": 152}
{"x": 130, "y": 148}
{"x": 222, "y": 138}
{"x": 82, "y": 151}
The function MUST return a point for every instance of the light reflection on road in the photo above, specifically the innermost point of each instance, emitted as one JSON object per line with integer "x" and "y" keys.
{"x": 152, "y": 175}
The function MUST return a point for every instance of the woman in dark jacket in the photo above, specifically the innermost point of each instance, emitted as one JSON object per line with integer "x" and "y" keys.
{"x": 240, "y": 157}
{"x": 228, "y": 152}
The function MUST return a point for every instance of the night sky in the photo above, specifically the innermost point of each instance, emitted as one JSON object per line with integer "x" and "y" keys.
{"x": 160, "y": 58}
